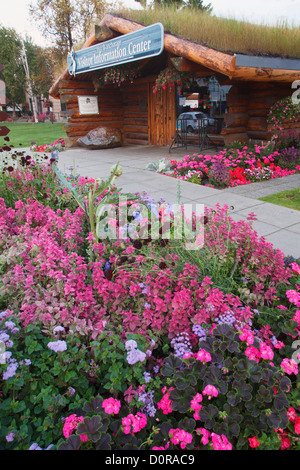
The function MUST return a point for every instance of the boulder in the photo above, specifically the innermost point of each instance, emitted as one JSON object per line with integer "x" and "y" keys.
{"x": 101, "y": 138}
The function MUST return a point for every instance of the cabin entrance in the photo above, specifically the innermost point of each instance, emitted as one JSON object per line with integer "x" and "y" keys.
{"x": 161, "y": 116}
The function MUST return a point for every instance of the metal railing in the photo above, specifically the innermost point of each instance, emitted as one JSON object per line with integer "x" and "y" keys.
{"x": 196, "y": 134}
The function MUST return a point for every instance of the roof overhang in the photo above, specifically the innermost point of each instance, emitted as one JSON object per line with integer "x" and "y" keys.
{"x": 234, "y": 66}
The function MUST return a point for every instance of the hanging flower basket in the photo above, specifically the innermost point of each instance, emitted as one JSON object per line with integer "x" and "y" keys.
{"x": 169, "y": 78}
{"x": 116, "y": 76}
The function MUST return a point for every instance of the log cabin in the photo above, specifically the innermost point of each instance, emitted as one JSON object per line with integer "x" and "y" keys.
{"x": 144, "y": 117}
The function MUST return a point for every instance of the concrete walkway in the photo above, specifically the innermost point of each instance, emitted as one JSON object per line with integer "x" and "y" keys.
{"x": 279, "y": 225}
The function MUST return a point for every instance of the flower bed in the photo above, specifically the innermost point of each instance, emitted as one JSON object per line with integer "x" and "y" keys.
{"x": 236, "y": 166}
{"x": 138, "y": 343}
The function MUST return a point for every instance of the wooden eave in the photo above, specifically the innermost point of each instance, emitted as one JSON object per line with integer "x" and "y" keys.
{"x": 219, "y": 62}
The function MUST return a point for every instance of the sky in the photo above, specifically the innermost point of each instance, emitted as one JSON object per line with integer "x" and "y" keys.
{"x": 15, "y": 13}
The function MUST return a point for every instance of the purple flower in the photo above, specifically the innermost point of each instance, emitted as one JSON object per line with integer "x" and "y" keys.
{"x": 57, "y": 346}
{"x": 10, "y": 436}
{"x": 10, "y": 371}
{"x": 135, "y": 355}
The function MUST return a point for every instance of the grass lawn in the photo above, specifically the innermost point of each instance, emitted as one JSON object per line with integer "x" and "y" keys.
{"x": 23, "y": 133}
{"x": 289, "y": 199}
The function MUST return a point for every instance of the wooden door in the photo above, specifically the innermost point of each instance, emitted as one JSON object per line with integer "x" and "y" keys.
{"x": 161, "y": 116}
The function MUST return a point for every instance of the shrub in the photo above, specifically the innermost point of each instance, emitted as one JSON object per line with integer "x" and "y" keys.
{"x": 219, "y": 174}
{"x": 289, "y": 158}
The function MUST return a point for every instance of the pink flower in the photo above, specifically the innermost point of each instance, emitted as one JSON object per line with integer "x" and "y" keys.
{"x": 70, "y": 424}
{"x": 265, "y": 351}
{"x": 297, "y": 425}
{"x": 253, "y": 353}
{"x": 203, "y": 356}
{"x": 165, "y": 404}
{"x": 111, "y": 406}
{"x": 206, "y": 435}
{"x": 134, "y": 423}
{"x": 180, "y": 436}
{"x": 289, "y": 366}
{"x": 195, "y": 405}
{"x": 210, "y": 391}
{"x": 292, "y": 415}
{"x": 247, "y": 336}
{"x": 296, "y": 268}
{"x": 294, "y": 297}
{"x": 220, "y": 442}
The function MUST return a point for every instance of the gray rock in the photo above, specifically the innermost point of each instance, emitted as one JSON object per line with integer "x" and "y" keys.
{"x": 101, "y": 138}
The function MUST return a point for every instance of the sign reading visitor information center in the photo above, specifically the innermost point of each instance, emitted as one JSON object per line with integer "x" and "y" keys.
{"x": 146, "y": 42}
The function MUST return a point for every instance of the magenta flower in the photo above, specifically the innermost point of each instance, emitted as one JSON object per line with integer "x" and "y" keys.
{"x": 203, "y": 356}
{"x": 289, "y": 366}
{"x": 111, "y": 406}
{"x": 210, "y": 391}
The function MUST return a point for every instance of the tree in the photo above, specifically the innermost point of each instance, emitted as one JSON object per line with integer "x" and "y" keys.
{"x": 66, "y": 22}
{"x": 198, "y": 5}
{"x": 41, "y": 68}
{"x": 13, "y": 73}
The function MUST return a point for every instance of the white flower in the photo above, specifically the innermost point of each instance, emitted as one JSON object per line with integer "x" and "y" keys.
{"x": 130, "y": 345}
{"x": 57, "y": 346}
{"x": 58, "y": 328}
{"x": 135, "y": 355}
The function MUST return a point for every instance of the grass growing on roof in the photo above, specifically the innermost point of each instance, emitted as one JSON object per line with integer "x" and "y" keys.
{"x": 227, "y": 35}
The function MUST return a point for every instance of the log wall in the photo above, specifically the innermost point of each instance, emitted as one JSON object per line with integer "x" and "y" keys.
{"x": 110, "y": 108}
{"x": 124, "y": 108}
{"x": 249, "y": 104}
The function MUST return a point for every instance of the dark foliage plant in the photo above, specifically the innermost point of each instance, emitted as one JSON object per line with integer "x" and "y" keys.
{"x": 252, "y": 401}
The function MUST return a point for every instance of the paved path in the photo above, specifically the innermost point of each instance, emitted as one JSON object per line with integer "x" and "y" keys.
{"x": 279, "y": 225}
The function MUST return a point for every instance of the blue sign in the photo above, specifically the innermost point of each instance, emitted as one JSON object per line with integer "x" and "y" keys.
{"x": 141, "y": 44}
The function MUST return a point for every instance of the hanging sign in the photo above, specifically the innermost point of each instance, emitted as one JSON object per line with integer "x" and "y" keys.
{"x": 141, "y": 44}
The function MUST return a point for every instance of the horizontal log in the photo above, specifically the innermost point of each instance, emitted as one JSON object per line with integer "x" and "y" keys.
{"x": 136, "y": 135}
{"x": 237, "y": 101}
{"x": 132, "y": 120}
{"x": 74, "y": 130}
{"x": 136, "y": 128}
{"x": 233, "y": 130}
{"x": 259, "y": 135}
{"x": 236, "y": 119}
{"x": 184, "y": 65}
{"x": 136, "y": 141}
{"x": 65, "y": 99}
{"x": 238, "y": 109}
{"x": 257, "y": 124}
{"x": 264, "y": 74}
{"x": 73, "y": 83}
{"x": 258, "y": 112}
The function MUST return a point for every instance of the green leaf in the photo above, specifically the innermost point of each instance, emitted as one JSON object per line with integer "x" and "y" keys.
{"x": 69, "y": 186}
